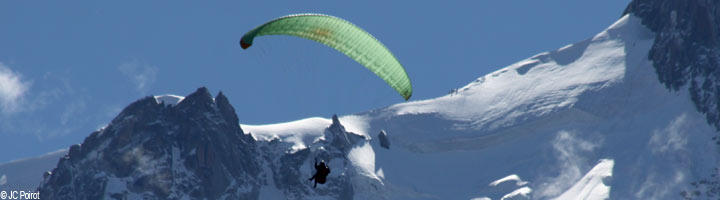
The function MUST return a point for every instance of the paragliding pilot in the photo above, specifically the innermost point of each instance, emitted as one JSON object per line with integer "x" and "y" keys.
{"x": 321, "y": 172}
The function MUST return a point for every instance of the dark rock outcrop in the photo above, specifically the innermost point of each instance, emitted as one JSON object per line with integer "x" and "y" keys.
{"x": 686, "y": 50}
{"x": 686, "y": 53}
{"x": 384, "y": 140}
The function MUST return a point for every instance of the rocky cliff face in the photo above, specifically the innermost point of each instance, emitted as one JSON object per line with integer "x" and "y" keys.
{"x": 686, "y": 54}
{"x": 686, "y": 51}
{"x": 151, "y": 150}
{"x": 197, "y": 150}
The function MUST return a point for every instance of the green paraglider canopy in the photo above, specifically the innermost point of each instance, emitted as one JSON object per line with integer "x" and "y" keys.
{"x": 343, "y": 36}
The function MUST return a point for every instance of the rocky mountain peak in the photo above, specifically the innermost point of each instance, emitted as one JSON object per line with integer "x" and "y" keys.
{"x": 194, "y": 150}
{"x": 199, "y": 101}
{"x": 226, "y": 110}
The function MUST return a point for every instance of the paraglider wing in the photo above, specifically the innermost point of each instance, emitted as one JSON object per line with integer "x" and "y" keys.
{"x": 342, "y": 36}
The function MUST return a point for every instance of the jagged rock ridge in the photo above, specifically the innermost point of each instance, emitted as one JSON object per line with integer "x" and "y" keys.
{"x": 151, "y": 150}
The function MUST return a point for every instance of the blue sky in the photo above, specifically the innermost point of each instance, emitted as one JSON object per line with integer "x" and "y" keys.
{"x": 67, "y": 68}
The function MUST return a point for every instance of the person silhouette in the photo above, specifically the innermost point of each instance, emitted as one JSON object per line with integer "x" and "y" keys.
{"x": 321, "y": 172}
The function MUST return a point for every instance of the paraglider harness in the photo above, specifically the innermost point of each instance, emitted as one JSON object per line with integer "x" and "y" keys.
{"x": 321, "y": 172}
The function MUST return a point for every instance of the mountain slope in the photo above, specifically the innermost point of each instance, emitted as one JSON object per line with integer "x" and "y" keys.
{"x": 551, "y": 117}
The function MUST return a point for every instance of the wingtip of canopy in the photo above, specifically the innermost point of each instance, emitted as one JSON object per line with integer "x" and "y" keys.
{"x": 407, "y": 97}
{"x": 244, "y": 45}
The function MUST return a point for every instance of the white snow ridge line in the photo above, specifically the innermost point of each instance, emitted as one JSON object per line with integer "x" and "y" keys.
{"x": 524, "y": 191}
{"x": 512, "y": 177}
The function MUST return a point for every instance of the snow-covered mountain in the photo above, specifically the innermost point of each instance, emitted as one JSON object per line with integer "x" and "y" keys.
{"x": 630, "y": 113}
